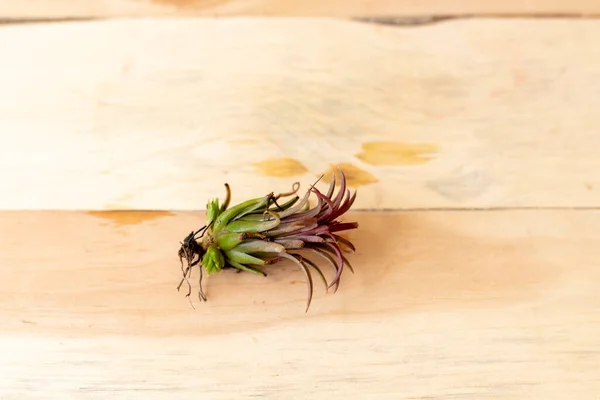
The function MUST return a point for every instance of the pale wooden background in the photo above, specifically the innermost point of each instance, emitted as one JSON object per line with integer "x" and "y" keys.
{"x": 473, "y": 143}
{"x": 12, "y": 9}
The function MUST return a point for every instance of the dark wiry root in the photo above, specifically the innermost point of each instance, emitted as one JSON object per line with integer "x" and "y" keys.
{"x": 187, "y": 271}
{"x": 295, "y": 188}
{"x": 191, "y": 251}
{"x": 201, "y": 294}
{"x": 186, "y": 274}
{"x": 275, "y": 202}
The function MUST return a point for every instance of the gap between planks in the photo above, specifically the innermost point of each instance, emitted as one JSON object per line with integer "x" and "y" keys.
{"x": 358, "y": 209}
{"x": 307, "y": 8}
{"x": 398, "y": 21}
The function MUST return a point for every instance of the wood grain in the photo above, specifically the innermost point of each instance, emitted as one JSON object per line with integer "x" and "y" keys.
{"x": 338, "y": 8}
{"x": 159, "y": 114}
{"x": 443, "y": 304}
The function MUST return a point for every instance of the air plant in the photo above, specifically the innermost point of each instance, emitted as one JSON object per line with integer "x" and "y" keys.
{"x": 267, "y": 230}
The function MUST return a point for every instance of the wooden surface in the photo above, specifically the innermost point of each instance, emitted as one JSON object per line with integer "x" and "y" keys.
{"x": 158, "y": 114}
{"x": 448, "y": 304}
{"x": 339, "y": 8}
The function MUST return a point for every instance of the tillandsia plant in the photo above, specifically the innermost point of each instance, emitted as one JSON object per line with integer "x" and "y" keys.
{"x": 267, "y": 230}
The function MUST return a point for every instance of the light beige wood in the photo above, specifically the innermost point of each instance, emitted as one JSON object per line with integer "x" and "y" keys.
{"x": 342, "y": 8}
{"x": 160, "y": 114}
{"x": 465, "y": 304}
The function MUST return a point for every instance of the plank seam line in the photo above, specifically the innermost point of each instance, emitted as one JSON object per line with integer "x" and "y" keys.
{"x": 24, "y": 21}
{"x": 400, "y": 21}
{"x": 362, "y": 210}
{"x": 419, "y": 20}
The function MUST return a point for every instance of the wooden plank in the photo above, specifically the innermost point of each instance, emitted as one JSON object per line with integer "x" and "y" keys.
{"x": 442, "y": 304}
{"x": 337, "y": 8}
{"x": 150, "y": 114}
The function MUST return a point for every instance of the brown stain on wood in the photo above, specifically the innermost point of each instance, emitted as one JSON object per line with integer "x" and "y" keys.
{"x": 129, "y": 217}
{"x": 281, "y": 167}
{"x": 397, "y": 153}
{"x": 354, "y": 176}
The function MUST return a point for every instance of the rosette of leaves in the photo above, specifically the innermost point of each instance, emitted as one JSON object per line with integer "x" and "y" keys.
{"x": 270, "y": 229}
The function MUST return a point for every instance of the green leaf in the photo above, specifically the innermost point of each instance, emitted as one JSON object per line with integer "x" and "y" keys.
{"x": 236, "y": 210}
{"x": 254, "y": 226}
{"x": 212, "y": 211}
{"x": 227, "y": 241}
{"x": 285, "y": 205}
{"x": 291, "y": 244}
{"x": 213, "y": 259}
{"x": 247, "y": 268}
{"x": 258, "y": 217}
{"x": 240, "y": 257}
{"x": 259, "y": 246}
